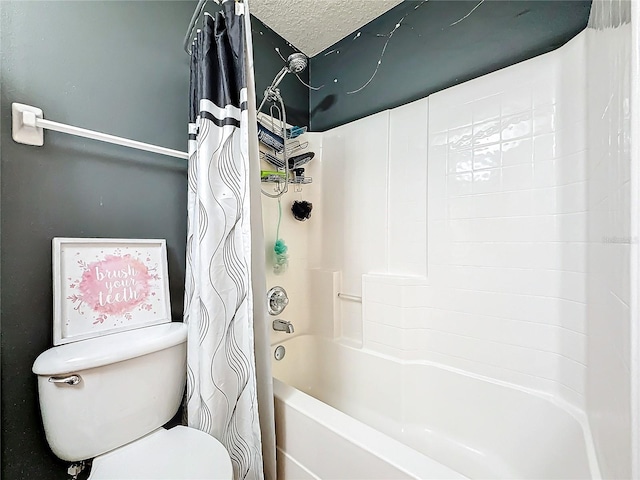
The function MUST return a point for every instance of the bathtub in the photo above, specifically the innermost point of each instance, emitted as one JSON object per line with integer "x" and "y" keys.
{"x": 347, "y": 413}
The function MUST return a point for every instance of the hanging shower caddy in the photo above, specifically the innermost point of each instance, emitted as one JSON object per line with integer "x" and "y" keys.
{"x": 280, "y": 145}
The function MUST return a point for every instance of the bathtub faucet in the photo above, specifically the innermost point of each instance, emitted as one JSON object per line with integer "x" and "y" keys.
{"x": 282, "y": 326}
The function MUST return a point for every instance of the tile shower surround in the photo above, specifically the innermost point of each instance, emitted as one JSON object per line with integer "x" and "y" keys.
{"x": 511, "y": 258}
{"x": 487, "y": 271}
{"x": 611, "y": 239}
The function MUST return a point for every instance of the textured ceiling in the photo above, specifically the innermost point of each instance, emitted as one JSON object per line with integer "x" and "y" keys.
{"x": 313, "y": 25}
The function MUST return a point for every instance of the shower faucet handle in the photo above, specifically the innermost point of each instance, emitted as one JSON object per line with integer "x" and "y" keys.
{"x": 277, "y": 300}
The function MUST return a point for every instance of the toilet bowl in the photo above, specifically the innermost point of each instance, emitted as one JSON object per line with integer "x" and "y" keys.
{"x": 107, "y": 398}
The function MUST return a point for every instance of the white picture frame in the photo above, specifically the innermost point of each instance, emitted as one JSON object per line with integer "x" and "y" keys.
{"x": 103, "y": 286}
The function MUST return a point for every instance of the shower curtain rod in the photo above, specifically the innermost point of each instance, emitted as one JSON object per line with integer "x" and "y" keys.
{"x": 28, "y": 123}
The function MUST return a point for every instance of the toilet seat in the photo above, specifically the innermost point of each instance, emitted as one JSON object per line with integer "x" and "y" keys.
{"x": 181, "y": 453}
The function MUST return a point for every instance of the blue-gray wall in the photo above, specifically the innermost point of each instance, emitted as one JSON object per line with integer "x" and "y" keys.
{"x": 116, "y": 67}
{"x": 427, "y": 54}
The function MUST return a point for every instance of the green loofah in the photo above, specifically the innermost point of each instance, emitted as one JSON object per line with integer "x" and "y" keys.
{"x": 280, "y": 247}
{"x": 280, "y": 255}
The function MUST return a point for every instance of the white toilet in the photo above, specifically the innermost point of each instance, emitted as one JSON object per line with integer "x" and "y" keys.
{"x": 107, "y": 398}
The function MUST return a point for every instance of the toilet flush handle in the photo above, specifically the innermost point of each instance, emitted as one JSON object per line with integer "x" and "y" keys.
{"x": 70, "y": 380}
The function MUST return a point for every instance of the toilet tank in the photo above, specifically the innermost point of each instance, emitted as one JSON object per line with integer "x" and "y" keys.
{"x": 130, "y": 384}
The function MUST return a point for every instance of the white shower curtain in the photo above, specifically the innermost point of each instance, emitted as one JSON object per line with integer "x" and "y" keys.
{"x": 222, "y": 390}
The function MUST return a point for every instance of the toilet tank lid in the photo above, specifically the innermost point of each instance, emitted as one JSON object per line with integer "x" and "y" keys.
{"x": 117, "y": 347}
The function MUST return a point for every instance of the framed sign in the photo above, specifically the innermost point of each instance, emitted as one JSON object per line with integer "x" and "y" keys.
{"x": 103, "y": 286}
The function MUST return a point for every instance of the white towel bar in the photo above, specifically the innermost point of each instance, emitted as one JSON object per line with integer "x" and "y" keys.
{"x": 28, "y": 124}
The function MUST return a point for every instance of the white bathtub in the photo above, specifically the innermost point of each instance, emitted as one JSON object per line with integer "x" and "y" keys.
{"x": 415, "y": 420}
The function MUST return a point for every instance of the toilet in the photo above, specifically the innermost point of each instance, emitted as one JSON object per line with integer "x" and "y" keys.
{"x": 106, "y": 399}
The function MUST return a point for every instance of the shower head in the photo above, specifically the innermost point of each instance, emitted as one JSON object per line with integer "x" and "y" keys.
{"x": 296, "y": 62}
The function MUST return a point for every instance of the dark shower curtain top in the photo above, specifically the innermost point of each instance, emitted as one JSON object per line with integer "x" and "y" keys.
{"x": 217, "y": 66}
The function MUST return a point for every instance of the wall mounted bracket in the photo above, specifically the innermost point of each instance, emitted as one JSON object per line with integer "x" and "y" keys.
{"x": 24, "y": 128}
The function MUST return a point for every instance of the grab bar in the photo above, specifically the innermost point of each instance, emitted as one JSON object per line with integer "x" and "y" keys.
{"x": 351, "y": 298}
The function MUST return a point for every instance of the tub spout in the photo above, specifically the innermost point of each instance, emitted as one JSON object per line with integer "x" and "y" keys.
{"x": 282, "y": 326}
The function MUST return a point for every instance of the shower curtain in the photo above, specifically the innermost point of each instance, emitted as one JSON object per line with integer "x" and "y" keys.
{"x": 223, "y": 396}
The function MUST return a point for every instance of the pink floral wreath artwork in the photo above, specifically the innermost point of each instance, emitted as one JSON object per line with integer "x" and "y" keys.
{"x": 113, "y": 287}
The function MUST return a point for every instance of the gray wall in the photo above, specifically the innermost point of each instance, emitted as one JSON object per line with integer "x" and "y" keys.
{"x": 427, "y": 54}
{"x": 116, "y": 67}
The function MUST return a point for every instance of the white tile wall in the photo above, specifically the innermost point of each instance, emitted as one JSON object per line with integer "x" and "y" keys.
{"x": 374, "y": 203}
{"x": 505, "y": 294}
{"x": 407, "y": 166}
{"x": 610, "y": 240}
{"x": 355, "y": 199}
{"x": 506, "y": 286}
{"x": 495, "y": 264}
